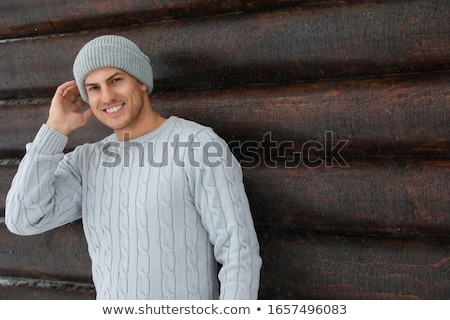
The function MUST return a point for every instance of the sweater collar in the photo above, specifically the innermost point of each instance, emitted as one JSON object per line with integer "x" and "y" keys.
{"x": 149, "y": 136}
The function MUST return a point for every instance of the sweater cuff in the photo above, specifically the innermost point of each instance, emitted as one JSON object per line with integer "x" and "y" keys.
{"x": 50, "y": 141}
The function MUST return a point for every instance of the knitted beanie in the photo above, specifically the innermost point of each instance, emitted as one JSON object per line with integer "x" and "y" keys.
{"x": 112, "y": 51}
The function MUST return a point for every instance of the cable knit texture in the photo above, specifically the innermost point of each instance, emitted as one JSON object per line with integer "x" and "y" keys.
{"x": 158, "y": 211}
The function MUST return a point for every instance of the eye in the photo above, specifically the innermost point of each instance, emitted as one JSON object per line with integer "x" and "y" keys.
{"x": 115, "y": 80}
{"x": 92, "y": 88}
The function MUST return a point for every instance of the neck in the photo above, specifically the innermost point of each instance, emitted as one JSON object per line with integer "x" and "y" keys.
{"x": 148, "y": 121}
{"x": 153, "y": 124}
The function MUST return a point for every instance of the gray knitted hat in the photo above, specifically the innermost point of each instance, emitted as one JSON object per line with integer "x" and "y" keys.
{"x": 112, "y": 51}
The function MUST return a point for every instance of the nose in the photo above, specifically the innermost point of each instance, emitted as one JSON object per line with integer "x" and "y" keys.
{"x": 108, "y": 95}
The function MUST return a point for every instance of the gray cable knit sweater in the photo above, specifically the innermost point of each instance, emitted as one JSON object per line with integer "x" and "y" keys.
{"x": 158, "y": 211}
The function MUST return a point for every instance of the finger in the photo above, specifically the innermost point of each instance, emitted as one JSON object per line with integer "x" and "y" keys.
{"x": 79, "y": 102}
{"x": 71, "y": 92}
{"x": 65, "y": 90}
{"x": 60, "y": 90}
{"x": 75, "y": 98}
{"x": 78, "y": 105}
{"x": 72, "y": 102}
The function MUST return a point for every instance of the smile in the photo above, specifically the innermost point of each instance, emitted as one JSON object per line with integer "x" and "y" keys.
{"x": 115, "y": 108}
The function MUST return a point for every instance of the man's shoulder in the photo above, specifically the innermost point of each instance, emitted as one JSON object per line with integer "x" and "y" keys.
{"x": 187, "y": 125}
{"x": 188, "y": 128}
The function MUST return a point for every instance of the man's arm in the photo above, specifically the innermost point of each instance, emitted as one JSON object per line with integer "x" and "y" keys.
{"x": 46, "y": 191}
{"x": 42, "y": 196}
{"x": 222, "y": 202}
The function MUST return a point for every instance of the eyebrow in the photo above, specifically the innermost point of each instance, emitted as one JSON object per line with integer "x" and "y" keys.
{"x": 110, "y": 78}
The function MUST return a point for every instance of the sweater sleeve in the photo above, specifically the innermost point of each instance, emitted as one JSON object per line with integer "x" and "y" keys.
{"x": 45, "y": 192}
{"x": 221, "y": 200}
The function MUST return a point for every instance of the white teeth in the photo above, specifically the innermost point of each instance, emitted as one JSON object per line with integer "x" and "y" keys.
{"x": 114, "y": 109}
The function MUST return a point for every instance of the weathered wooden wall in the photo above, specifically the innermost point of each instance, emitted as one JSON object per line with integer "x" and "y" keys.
{"x": 363, "y": 86}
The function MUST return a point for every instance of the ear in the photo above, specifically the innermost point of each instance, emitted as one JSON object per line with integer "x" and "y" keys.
{"x": 143, "y": 86}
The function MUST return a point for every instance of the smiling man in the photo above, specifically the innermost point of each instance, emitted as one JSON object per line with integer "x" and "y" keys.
{"x": 171, "y": 227}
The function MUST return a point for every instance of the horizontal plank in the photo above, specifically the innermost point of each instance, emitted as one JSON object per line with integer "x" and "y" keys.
{"x": 404, "y": 116}
{"x": 32, "y": 289}
{"x": 21, "y": 18}
{"x": 341, "y": 267}
{"x": 392, "y": 197}
{"x": 398, "y": 197}
{"x": 60, "y": 254}
{"x": 337, "y": 267}
{"x": 6, "y": 176}
{"x": 297, "y": 44}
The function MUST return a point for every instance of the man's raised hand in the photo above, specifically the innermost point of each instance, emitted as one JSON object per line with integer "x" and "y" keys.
{"x": 66, "y": 111}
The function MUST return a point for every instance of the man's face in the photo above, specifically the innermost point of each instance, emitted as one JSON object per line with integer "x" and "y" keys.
{"x": 117, "y": 99}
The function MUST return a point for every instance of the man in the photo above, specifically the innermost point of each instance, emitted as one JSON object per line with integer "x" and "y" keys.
{"x": 161, "y": 200}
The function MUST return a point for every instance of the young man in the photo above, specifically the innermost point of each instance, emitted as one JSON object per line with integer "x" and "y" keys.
{"x": 161, "y": 200}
